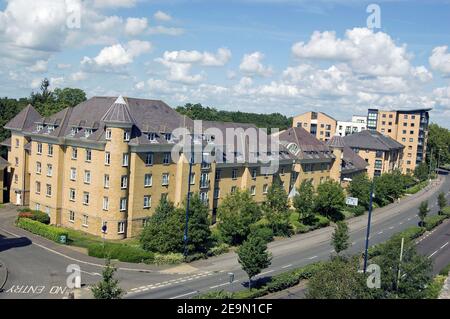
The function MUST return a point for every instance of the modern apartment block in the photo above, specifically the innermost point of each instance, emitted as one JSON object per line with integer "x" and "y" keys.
{"x": 324, "y": 127}
{"x": 109, "y": 161}
{"x": 382, "y": 153}
{"x": 409, "y": 127}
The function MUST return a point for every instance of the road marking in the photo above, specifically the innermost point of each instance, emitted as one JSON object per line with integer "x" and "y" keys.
{"x": 392, "y": 227}
{"x": 380, "y": 232}
{"x": 217, "y": 286}
{"x": 332, "y": 251}
{"x": 189, "y": 293}
{"x": 409, "y": 218}
{"x": 444, "y": 245}
{"x": 401, "y": 223}
{"x": 266, "y": 272}
{"x": 90, "y": 273}
{"x": 286, "y": 266}
{"x": 311, "y": 258}
{"x": 433, "y": 254}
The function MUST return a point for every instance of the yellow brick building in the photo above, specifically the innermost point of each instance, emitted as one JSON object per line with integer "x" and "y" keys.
{"x": 319, "y": 124}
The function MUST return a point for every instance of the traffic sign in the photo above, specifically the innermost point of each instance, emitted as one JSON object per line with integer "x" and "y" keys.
{"x": 351, "y": 201}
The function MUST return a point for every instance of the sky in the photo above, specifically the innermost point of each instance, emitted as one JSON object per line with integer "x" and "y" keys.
{"x": 339, "y": 57}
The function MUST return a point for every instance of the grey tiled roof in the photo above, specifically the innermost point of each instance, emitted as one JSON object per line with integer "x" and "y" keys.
{"x": 336, "y": 141}
{"x": 352, "y": 162}
{"x": 372, "y": 140}
{"x": 3, "y": 163}
{"x": 6, "y": 142}
{"x": 24, "y": 119}
{"x": 118, "y": 113}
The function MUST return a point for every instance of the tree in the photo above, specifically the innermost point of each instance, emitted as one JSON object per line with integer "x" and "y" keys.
{"x": 439, "y": 142}
{"x": 164, "y": 230}
{"x": 69, "y": 97}
{"x": 340, "y": 237}
{"x": 415, "y": 270}
{"x": 330, "y": 200}
{"x": 338, "y": 279}
{"x": 360, "y": 187}
{"x": 423, "y": 212}
{"x": 253, "y": 256}
{"x": 421, "y": 171}
{"x": 442, "y": 201}
{"x": 236, "y": 213}
{"x": 199, "y": 234}
{"x": 108, "y": 288}
{"x": 276, "y": 208}
{"x": 304, "y": 202}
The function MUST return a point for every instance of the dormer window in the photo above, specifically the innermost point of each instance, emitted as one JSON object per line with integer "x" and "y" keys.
{"x": 168, "y": 136}
{"x": 88, "y": 132}
{"x": 50, "y": 128}
{"x": 74, "y": 131}
{"x": 39, "y": 127}
{"x": 152, "y": 136}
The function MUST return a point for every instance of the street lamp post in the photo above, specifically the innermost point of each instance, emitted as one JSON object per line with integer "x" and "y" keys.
{"x": 368, "y": 224}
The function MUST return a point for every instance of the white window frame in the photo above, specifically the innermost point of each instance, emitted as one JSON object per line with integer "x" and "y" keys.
{"x": 38, "y": 187}
{"x": 123, "y": 204}
{"x": 125, "y": 159}
{"x": 87, "y": 196}
{"x": 72, "y": 194}
{"x": 50, "y": 150}
{"x": 106, "y": 181}
{"x": 234, "y": 173}
{"x": 87, "y": 177}
{"x": 48, "y": 190}
{"x": 253, "y": 190}
{"x": 147, "y": 201}
{"x": 166, "y": 158}
{"x": 85, "y": 222}
{"x": 107, "y": 158}
{"x": 265, "y": 188}
{"x": 121, "y": 227}
{"x": 126, "y": 135}
{"x": 146, "y": 183}
{"x": 39, "y": 148}
{"x": 147, "y": 157}
{"x": 192, "y": 179}
{"x": 108, "y": 134}
{"x": 123, "y": 182}
{"x": 74, "y": 153}
{"x": 88, "y": 155}
{"x": 49, "y": 170}
{"x": 38, "y": 168}
{"x": 105, "y": 205}
{"x": 71, "y": 216}
{"x": 163, "y": 178}
{"x": 73, "y": 174}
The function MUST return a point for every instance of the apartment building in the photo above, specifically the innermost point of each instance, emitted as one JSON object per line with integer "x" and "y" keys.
{"x": 409, "y": 127}
{"x": 319, "y": 124}
{"x": 382, "y": 153}
{"x": 108, "y": 161}
{"x": 357, "y": 124}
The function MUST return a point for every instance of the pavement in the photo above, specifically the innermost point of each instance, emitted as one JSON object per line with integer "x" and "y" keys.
{"x": 38, "y": 267}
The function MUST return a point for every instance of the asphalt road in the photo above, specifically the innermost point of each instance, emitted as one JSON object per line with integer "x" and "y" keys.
{"x": 37, "y": 267}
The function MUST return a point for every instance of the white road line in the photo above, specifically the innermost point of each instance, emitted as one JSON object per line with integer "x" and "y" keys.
{"x": 401, "y": 223}
{"x": 392, "y": 227}
{"x": 433, "y": 254}
{"x": 444, "y": 245}
{"x": 184, "y": 295}
{"x": 286, "y": 266}
{"x": 310, "y": 258}
{"x": 217, "y": 286}
{"x": 380, "y": 232}
{"x": 266, "y": 272}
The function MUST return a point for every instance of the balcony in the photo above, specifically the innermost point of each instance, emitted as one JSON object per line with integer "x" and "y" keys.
{"x": 204, "y": 184}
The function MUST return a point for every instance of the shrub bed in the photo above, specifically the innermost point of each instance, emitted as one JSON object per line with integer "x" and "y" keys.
{"x": 34, "y": 215}
{"x": 218, "y": 250}
{"x": 46, "y": 231}
{"x": 173, "y": 258}
{"x": 434, "y": 221}
{"x": 121, "y": 252}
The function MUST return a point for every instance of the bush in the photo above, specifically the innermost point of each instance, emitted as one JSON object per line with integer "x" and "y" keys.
{"x": 433, "y": 290}
{"x": 47, "y": 231}
{"x": 218, "y": 294}
{"x": 34, "y": 215}
{"x": 219, "y": 250}
{"x": 357, "y": 210}
{"x": 196, "y": 256}
{"x": 321, "y": 221}
{"x": 263, "y": 232}
{"x": 121, "y": 252}
{"x": 416, "y": 188}
{"x": 433, "y": 221}
{"x": 410, "y": 233}
{"x": 172, "y": 258}
{"x": 283, "y": 281}
{"x": 446, "y": 211}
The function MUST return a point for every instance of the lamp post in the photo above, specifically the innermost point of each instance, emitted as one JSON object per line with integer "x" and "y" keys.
{"x": 188, "y": 199}
{"x": 369, "y": 218}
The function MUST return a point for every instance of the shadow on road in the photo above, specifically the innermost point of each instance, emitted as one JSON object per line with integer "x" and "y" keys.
{"x": 9, "y": 243}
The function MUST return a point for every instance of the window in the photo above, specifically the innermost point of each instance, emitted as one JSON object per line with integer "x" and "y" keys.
{"x": 265, "y": 188}
{"x": 124, "y": 182}
{"x": 126, "y": 135}
{"x": 85, "y": 221}
{"x": 411, "y": 132}
{"x": 148, "y": 180}
{"x": 107, "y": 158}
{"x": 125, "y": 159}
{"x": 204, "y": 180}
{"x": 47, "y": 210}
{"x": 88, "y": 155}
{"x": 121, "y": 227}
{"x": 253, "y": 190}
{"x": 404, "y": 131}
{"x": 39, "y": 148}
{"x": 73, "y": 174}
{"x": 50, "y": 129}
{"x": 166, "y": 159}
{"x": 234, "y": 174}
{"x": 123, "y": 204}
{"x": 86, "y": 198}
{"x": 282, "y": 171}
{"x": 147, "y": 201}
{"x": 403, "y": 139}
{"x": 72, "y": 194}
{"x": 16, "y": 178}
{"x": 50, "y": 150}
{"x": 405, "y": 116}
{"x": 233, "y": 189}
{"x": 217, "y": 175}
{"x": 152, "y": 136}
{"x": 149, "y": 159}
{"x": 411, "y": 140}
{"x": 168, "y": 136}
{"x": 38, "y": 167}
{"x": 106, "y": 181}
{"x": 38, "y": 187}
{"x": 204, "y": 197}
{"x": 105, "y": 203}
{"x": 216, "y": 193}
{"x": 38, "y": 206}
{"x": 71, "y": 216}
{"x": 88, "y": 132}
{"x": 192, "y": 179}
{"x": 164, "y": 196}
{"x": 254, "y": 173}
{"x": 49, "y": 170}
{"x": 17, "y": 142}
{"x": 379, "y": 154}
{"x": 165, "y": 179}
{"x": 108, "y": 134}
{"x": 49, "y": 190}
{"x": 74, "y": 153}
{"x": 378, "y": 164}
{"x": 87, "y": 177}
{"x": 17, "y": 161}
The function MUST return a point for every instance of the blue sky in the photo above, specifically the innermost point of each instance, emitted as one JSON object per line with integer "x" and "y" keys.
{"x": 251, "y": 55}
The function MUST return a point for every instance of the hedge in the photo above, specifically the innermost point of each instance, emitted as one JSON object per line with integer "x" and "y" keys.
{"x": 416, "y": 188}
{"x": 410, "y": 233}
{"x": 34, "y": 215}
{"x": 172, "y": 258}
{"x": 434, "y": 221}
{"x": 47, "y": 231}
{"x": 446, "y": 211}
{"x": 121, "y": 252}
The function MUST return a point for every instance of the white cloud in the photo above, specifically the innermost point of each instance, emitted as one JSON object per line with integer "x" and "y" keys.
{"x": 78, "y": 76}
{"x": 440, "y": 59}
{"x": 251, "y": 65}
{"x": 115, "y": 3}
{"x": 222, "y": 56}
{"x": 63, "y": 66}
{"x": 35, "y": 83}
{"x": 180, "y": 72}
{"x": 442, "y": 96}
{"x": 162, "y": 16}
{"x": 140, "y": 85}
{"x": 118, "y": 55}
{"x": 135, "y": 26}
{"x": 39, "y": 67}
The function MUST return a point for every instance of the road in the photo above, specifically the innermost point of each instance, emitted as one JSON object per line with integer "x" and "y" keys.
{"x": 37, "y": 267}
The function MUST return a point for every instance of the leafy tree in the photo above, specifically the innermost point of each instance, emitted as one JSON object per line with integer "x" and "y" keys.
{"x": 421, "y": 171}
{"x": 304, "y": 202}
{"x": 276, "y": 208}
{"x": 442, "y": 201}
{"x": 360, "y": 187}
{"x": 423, "y": 211}
{"x": 415, "y": 270}
{"x": 330, "y": 200}
{"x": 108, "y": 288}
{"x": 69, "y": 97}
{"x": 164, "y": 230}
{"x": 340, "y": 237}
{"x": 236, "y": 213}
{"x": 253, "y": 256}
{"x": 199, "y": 233}
{"x": 439, "y": 142}
{"x": 338, "y": 279}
